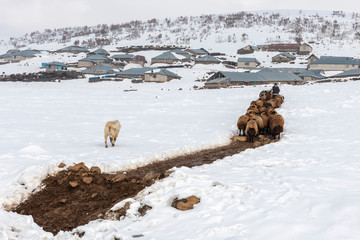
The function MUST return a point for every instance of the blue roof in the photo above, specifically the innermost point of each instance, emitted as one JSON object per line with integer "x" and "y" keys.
{"x": 99, "y": 69}
{"x": 285, "y": 54}
{"x": 170, "y": 55}
{"x": 310, "y": 73}
{"x": 268, "y": 75}
{"x": 207, "y": 58}
{"x": 248, "y": 60}
{"x": 123, "y": 56}
{"x": 337, "y": 60}
{"x": 163, "y": 71}
{"x": 96, "y": 58}
{"x": 24, "y": 53}
{"x": 349, "y": 73}
{"x": 101, "y": 51}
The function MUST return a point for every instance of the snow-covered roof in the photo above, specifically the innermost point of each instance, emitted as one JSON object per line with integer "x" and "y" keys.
{"x": 349, "y": 73}
{"x": 162, "y": 71}
{"x": 207, "y": 58}
{"x": 100, "y": 68}
{"x": 136, "y": 71}
{"x": 73, "y": 49}
{"x": 24, "y": 53}
{"x": 285, "y": 54}
{"x": 101, "y": 51}
{"x": 172, "y": 56}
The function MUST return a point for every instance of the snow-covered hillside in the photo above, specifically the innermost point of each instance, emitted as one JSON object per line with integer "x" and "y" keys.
{"x": 224, "y": 33}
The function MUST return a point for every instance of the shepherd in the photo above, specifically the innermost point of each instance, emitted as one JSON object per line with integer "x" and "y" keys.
{"x": 275, "y": 89}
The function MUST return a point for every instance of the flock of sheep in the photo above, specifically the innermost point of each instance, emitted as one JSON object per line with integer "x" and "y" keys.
{"x": 262, "y": 118}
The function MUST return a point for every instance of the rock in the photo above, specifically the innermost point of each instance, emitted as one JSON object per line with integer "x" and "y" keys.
{"x": 95, "y": 169}
{"x": 94, "y": 195}
{"x": 133, "y": 180}
{"x": 240, "y": 138}
{"x": 168, "y": 173}
{"x": 80, "y": 167}
{"x": 73, "y": 184}
{"x": 118, "y": 178}
{"x": 185, "y": 204}
{"x": 143, "y": 209}
{"x": 257, "y": 144}
{"x": 64, "y": 200}
{"x": 61, "y": 165}
{"x": 149, "y": 177}
{"x": 87, "y": 180}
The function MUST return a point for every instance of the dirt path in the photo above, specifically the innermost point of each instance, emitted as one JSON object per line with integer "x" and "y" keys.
{"x": 78, "y": 195}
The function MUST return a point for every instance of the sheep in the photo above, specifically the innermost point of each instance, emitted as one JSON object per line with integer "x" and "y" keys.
{"x": 265, "y": 119}
{"x": 111, "y": 130}
{"x": 259, "y": 103}
{"x": 254, "y": 108}
{"x": 241, "y": 124}
{"x": 251, "y": 130}
{"x": 276, "y": 125}
{"x": 265, "y": 95}
{"x": 279, "y": 100}
{"x": 259, "y": 122}
{"x": 271, "y": 103}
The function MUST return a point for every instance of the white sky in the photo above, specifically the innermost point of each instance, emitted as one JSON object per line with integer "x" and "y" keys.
{"x": 22, "y": 16}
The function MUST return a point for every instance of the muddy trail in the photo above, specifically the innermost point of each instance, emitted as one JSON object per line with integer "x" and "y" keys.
{"x": 77, "y": 195}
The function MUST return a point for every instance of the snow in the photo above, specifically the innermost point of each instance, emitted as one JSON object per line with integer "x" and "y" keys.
{"x": 302, "y": 187}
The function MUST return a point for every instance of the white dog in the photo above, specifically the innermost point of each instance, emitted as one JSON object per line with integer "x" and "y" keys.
{"x": 111, "y": 130}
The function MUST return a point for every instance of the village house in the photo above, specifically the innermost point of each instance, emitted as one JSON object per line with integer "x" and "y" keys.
{"x": 171, "y": 57}
{"x": 197, "y": 52}
{"x": 306, "y": 75}
{"x": 352, "y": 74}
{"x": 304, "y": 49}
{"x": 301, "y": 49}
{"x": 122, "y": 57}
{"x": 99, "y": 51}
{"x": 247, "y": 63}
{"x": 20, "y": 55}
{"x": 90, "y": 61}
{"x": 73, "y": 49}
{"x": 134, "y": 73}
{"x": 264, "y": 76}
{"x": 329, "y": 63}
{"x": 100, "y": 69}
{"x": 55, "y": 66}
{"x": 283, "y": 57}
{"x": 248, "y": 49}
{"x": 138, "y": 59}
{"x": 312, "y": 58}
{"x": 207, "y": 59}
{"x": 160, "y": 75}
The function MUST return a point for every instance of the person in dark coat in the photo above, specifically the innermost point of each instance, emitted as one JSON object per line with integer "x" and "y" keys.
{"x": 275, "y": 89}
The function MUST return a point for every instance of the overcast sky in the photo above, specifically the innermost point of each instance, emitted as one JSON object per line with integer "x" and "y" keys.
{"x": 22, "y": 16}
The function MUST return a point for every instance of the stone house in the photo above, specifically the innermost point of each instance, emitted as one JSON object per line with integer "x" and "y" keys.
{"x": 329, "y": 63}
{"x": 55, "y": 66}
{"x": 171, "y": 57}
{"x": 283, "y": 57}
{"x": 90, "y": 61}
{"x": 247, "y": 63}
{"x": 207, "y": 59}
{"x": 138, "y": 59}
{"x": 160, "y": 75}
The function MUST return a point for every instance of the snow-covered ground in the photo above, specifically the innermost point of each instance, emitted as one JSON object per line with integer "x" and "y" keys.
{"x": 302, "y": 187}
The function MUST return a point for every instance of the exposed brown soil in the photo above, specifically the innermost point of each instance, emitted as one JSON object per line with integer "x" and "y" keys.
{"x": 78, "y": 195}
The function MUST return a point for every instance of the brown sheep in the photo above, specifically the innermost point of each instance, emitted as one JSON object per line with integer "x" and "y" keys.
{"x": 259, "y": 122}
{"x": 271, "y": 103}
{"x": 276, "y": 125}
{"x": 254, "y": 108}
{"x": 241, "y": 124}
{"x": 251, "y": 130}
{"x": 259, "y": 103}
{"x": 111, "y": 130}
{"x": 265, "y": 119}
